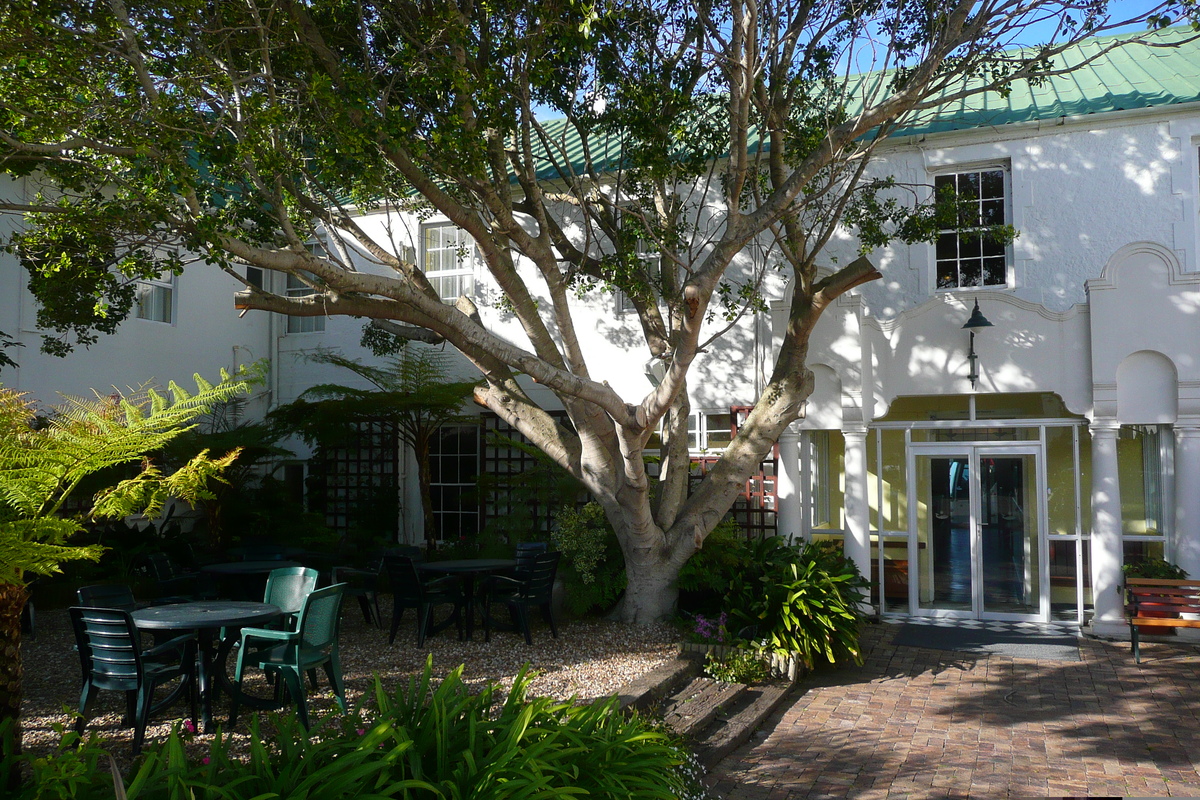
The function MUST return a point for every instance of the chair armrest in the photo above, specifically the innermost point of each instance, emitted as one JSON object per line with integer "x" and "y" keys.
{"x": 267, "y": 634}
{"x": 179, "y": 644}
{"x": 504, "y": 582}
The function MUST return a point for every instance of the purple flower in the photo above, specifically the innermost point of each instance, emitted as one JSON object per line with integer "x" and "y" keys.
{"x": 189, "y": 726}
{"x": 362, "y": 731}
{"x": 205, "y": 760}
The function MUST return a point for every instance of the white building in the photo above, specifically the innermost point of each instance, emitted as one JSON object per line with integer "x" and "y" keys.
{"x": 1009, "y": 485}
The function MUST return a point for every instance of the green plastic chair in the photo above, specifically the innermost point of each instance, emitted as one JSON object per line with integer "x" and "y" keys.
{"x": 288, "y": 587}
{"x": 290, "y": 654}
{"x": 113, "y": 660}
{"x": 534, "y": 589}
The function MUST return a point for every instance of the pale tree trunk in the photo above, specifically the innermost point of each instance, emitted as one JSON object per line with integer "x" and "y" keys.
{"x": 650, "y": 591}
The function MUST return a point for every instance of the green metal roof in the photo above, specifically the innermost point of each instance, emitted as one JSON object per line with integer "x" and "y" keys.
{"x": 1135, "y": 76}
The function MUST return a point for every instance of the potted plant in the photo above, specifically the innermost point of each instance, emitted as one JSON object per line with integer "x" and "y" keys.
{"x": 1154, "y": 567}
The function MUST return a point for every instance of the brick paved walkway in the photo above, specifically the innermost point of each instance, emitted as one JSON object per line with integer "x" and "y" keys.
{"x": 928, "y": 723}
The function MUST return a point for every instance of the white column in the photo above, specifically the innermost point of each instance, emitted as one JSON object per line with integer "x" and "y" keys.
{"x": 788, "y": 487}
{"x": 1187, "y": 497}
{"x": 858, "y": 510}
{"x": 1106, "y": 530}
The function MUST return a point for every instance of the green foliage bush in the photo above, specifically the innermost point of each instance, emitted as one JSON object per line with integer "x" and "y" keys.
{"x": 1154, "y": 567}
{"x": 709, "y": 573}
{"x": 800, "y": 599}
{"x": 743, "y": 665}
{"x": 425, "y": 740}
{"x": 812, "y": 609}
{"x": 592, "y": 566}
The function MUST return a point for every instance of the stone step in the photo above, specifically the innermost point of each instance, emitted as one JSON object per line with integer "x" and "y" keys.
{"x": 738, "y": 722}
{"x": 691, "y": 710}
{"x": 652, "y": 689}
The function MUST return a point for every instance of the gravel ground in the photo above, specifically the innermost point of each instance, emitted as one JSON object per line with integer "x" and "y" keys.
{"x": 588, "y": 660}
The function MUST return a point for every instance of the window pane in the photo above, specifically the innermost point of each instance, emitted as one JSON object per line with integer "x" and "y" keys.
{"x": 968, "y": 184}
{"x": 993, "y": 184}
{"x": 970, "y": 272}
{"x": 993, "y": 212}
{"x": 718, "y": 429}
{"x": 947, "y": 246}
{"x": 994, "y": 272}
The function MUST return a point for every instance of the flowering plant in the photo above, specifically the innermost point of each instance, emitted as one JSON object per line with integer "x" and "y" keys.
{"x": 711, "y": 631}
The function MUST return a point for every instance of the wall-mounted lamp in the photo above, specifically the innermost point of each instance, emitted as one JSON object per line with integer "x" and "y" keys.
{"x": 977, "y": 320}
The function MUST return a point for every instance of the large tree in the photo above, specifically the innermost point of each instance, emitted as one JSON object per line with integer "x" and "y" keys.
{"x": 211, "y": 134}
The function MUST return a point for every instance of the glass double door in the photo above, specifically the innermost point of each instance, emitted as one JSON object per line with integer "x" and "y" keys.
{"x": 978, "y": 512}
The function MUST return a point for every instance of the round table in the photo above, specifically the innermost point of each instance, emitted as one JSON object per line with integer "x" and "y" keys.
{"x": 208, "y": 618}
{"x": 468, "y": 568}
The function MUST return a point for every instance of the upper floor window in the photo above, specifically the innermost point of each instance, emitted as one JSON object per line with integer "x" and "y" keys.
{"x": 156, "y": 298}
{"x": 298, "y": 288}
{"x": 449, "y": 260}
{"x": 966, "y": 256}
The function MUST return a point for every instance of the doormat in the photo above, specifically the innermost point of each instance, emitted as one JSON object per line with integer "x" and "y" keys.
{"x": 1034, "y": 644}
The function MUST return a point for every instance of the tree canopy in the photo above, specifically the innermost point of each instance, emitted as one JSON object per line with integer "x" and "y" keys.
{"x": 175, "y": 134}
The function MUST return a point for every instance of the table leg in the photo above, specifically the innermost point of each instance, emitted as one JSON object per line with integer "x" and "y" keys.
{"x": 469, "y": 603}
{"x": 203, "y": 666}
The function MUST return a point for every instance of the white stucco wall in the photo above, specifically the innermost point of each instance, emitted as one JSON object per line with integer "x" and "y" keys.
{"x": 1081, "y": 194}
{"x": 205, "y": 335}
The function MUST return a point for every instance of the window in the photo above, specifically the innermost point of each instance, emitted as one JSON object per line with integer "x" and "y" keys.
{"x": 710, "y": 431}
{"x": 647, "y": 253}
{"x": 450, "y": 259}
{"x": 155, "y": 299}
{"x": 1140, "y": 470}
{"x": 453, "y": 471}
{"x": 966, "y": 256}
{"x": 298, "y": 288}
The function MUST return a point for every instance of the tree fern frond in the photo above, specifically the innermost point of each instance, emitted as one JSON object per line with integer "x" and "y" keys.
{"x": 21, "y": 551}
{"x": 40, "y": 466}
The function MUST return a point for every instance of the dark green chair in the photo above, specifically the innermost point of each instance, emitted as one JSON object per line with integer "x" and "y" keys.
{"x": 533, "y": 588}
{"x": 289, "y": 654}
{"x": 288, "y": 588}
{"x": 411, "y": 590}
{"x": 107, "y": 595}
{"x": 112, "y": 659}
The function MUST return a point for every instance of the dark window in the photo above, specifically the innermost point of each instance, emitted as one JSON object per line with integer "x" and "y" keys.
{"x": 454, "y": 469}
{"x": 966, "y": 255}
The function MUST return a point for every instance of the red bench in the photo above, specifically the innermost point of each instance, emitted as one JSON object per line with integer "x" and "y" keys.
{"x": 1160, "y": 602}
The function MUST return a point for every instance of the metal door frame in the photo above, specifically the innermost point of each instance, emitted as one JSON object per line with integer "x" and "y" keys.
{"x": 973, "y": 451}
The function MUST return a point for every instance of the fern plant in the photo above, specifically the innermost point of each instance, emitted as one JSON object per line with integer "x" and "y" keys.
{"x": 44, "y": 460}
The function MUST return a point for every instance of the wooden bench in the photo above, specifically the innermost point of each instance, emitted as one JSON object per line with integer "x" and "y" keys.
{"x": 1147, "y": 598}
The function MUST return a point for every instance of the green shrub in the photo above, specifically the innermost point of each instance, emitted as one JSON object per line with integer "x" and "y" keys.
{"x": 434, "y": 740}
{"x": 706, "y": 577}
{"x": 1154, "y": 567}
{"x": 801, "y": 599}
{"x": 812, "y": 609}
{"x": 743, "y": 665}
{"x": 592, "y": 566}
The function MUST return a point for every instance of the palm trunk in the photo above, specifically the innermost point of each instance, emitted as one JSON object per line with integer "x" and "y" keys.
{"x": 12, "y": 603}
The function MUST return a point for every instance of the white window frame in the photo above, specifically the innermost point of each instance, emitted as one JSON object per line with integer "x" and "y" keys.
{"x": 650, "y": 255}
{"x": 700, "y": 428}
{"x": 1006, "y": 204}
{"x": 295, "y": 287}
{"x": 465, "y": 255}
{"x": 156, "y": 299}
